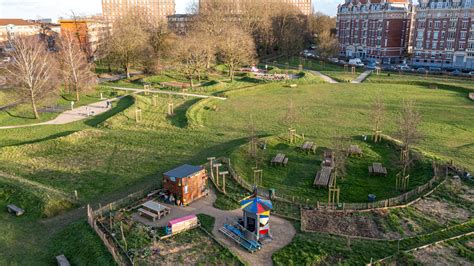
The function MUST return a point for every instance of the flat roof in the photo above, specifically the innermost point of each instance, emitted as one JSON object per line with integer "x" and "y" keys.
{"x": 183, "y": 171}
{"x": 16, "y": 21}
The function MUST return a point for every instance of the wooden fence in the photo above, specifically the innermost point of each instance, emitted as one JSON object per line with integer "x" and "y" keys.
{"x": 362, "y": 206}
{"x": 111, "y": 243}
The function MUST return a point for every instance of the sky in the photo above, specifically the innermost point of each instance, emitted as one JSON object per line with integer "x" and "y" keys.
{"x": 34, "y": 9}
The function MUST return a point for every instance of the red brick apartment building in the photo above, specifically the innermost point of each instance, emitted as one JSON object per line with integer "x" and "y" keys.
{"x": 374, "y": 30}
{"x": 443, "y": 34}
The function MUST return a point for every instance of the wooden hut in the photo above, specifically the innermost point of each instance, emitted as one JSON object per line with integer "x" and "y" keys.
{"x": 186, "y": 183}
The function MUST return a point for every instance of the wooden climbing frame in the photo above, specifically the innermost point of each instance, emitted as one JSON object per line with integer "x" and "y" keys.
{"x": 257, "y": 176}
{"x": 353, "y": 70}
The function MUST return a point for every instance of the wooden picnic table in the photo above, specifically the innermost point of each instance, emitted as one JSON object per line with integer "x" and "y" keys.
{"x": 308, "y": 146}
{"x": 354, "y": 150}
{"x": 153, "y": 210}
{"x": 323, "y": 177}
{"x": 377, "y": 169}
{"x": 279, "y": 159}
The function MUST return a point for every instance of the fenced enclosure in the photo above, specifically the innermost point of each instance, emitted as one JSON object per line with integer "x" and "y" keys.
{"x": 297, "y": 202}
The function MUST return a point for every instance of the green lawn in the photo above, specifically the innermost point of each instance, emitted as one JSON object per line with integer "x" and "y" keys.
{"x": 113, "y": 153}
{"x": 296, "y": 180}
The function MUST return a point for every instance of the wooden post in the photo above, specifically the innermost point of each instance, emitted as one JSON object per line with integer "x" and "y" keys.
{"x": 123, "y": 236}
{"x": 211, "y": 166}
{"x": 184, "y": 91}
{"x": 346, "y": 68}
{"x": 257, "y": 176}
{"x": 377, "y": 136}
{"x": 170, "y": 108}
{"x": 101, "y": 96}
{"x": 223, "y": 179}
{"x": 155, "y": 102}
{"x": 138, "y": 115}
{"x": 378, "y": 71}
{"x": 353, "y": 70}
{"x": 217, "y": 172}
{"x": 75, "y": 194}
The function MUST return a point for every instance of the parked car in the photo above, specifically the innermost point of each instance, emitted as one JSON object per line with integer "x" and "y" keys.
{"x": 372, "y": 65}
{"x": 356, "y": 62}
{"x": 333, "y": 60}
{"x": 456, "y": 72}
{"x": 421, "y": 70}
{"x": 435, "y": 70}
{"x": 471, "y": 73}
{"x": 405, "y": 68}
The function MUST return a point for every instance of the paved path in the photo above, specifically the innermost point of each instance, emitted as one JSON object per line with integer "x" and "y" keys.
{"x": 362, "y": 77}
{"x": 74, "y": 115}
{"x": 282, "y": 230}
{"x": 170, "y": 93}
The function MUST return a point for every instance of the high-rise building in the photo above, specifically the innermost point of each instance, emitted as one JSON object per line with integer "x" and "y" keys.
{"x": 443, "y": 34}
{"x": 304, "y": 6}
{"x": 116, "y": 9}
{"x": 374, "y": 30}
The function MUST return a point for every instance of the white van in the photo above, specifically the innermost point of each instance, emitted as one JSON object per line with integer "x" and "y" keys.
{"x": 356, "y": 62}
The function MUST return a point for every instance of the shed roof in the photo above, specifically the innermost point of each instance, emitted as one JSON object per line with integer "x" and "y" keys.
{"x": 183, "y": 171}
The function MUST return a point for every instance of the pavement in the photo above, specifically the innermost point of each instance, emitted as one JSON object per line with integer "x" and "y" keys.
{"x": 362, "y": 77}
{"x": 281, "y": 230}
{"x": 74, "y": 115}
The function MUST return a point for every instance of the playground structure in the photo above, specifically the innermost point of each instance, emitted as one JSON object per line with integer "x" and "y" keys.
{"x": 254, "y": 227}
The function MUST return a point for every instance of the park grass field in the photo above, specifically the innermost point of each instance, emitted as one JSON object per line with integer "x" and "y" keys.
{"x": 112, "y": 154}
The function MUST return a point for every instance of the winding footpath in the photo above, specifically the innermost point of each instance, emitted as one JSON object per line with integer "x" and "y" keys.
{"x": 362, "y": 77}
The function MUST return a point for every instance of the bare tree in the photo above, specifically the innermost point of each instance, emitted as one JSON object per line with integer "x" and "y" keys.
{"x": 74, "y": 67}
{"x": 408, "y": 131}
{"x": 236, "y": 49}
{"x": 32, "y": 70}
{"x": 327, "y": 45}
{"x": 191, "y": 54}
{"x": 340, "y": 145}
{"x": 378, "y": 112}
{"x": 129, "y": 43}
{"x": 291, "y": 116}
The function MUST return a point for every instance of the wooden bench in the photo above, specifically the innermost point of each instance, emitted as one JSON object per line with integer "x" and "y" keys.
{"x": 377, "y": 169}
{"x": 148, "y": 213}
{"x": 285, "y": 162}
{"x": 14, "y": 209}
{"x": 62, "y": 260}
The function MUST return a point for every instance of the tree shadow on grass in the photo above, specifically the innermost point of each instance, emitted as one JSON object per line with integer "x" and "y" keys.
{"x": 50, "y": 137}
{"x": 179, "y": 118}
{"x": 23, "y": 116}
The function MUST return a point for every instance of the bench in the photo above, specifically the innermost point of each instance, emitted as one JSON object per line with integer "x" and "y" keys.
{"x": 62, "y": 260}
{"x": 14, "y": 209}
{"x": 285, "y": 162}
{"x": 148, "y": 213}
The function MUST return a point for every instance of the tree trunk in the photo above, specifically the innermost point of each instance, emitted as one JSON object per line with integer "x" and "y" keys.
{"x": 33, "y": 105}
{"x": 231, "y": 73}
{"x": 191, "y": 82}
{"x": 127, "y": 70}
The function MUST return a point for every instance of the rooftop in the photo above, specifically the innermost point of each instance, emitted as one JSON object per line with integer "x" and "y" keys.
{"x": 15, "y": 21}
{"x": 183, "y": 171}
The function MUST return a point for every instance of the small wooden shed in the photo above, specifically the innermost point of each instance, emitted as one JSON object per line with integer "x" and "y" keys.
{"x": 186, "y": 183}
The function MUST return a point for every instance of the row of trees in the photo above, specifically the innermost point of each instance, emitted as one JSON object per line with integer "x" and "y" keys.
{"x": 219, "y": 33}
{"x": 36, "y": 72}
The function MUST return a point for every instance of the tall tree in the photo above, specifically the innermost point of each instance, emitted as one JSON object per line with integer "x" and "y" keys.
{"x": 74, "y": 67}
{"x": 236, "y": 49}
{"x": 129, "y": 44}
{"x": 191, "y": 56}
{"x": 326, "y": 44}
{"x": 32, "y": 70}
